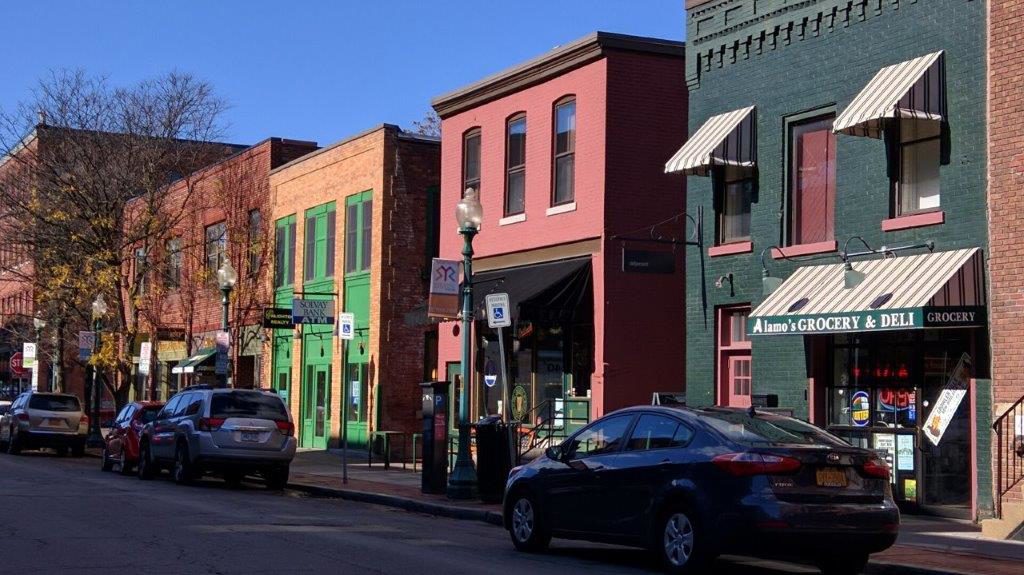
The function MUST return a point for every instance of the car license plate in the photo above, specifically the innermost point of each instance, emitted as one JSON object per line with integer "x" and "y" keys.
{"x": 250, "y": 436}
{"x": 831, "y": 477}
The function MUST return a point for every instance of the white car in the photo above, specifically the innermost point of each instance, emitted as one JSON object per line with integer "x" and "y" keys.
{"x": 40, "y": 420}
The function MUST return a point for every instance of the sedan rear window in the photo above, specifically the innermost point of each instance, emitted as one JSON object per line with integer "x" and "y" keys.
{"x": 248, "y": 404}
{"x": 54, "y": 403}
{"x": 149, "y": 414}
{"x": 767, "y": 429}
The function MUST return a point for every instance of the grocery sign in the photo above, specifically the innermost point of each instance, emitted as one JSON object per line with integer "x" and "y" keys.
{"x": 868, "y": 320}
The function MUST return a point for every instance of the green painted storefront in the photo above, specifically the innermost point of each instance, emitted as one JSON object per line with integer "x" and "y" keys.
{"x": 793, "y": 61}
{"x": 356, "y": 296}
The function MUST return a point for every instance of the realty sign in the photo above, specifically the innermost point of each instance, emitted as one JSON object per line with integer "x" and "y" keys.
{"x": 277, "y": 318}
{"x": 444, "y": 289}
{"x": 28, "y": 356}
{"x": 346, "y": 326}
{"x": 949, "y": 401}
{"x": 310, "y": 311}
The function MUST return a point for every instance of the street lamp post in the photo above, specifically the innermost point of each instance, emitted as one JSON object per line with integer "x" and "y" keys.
{"x": 226, "y": 278}
{"x": 469, "y": 215}
{"x": 99, "y": 311}
{"x": 39, "y": 324}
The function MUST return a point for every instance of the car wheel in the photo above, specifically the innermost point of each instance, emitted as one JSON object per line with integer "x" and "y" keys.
{"x": 679, "y": 543}
{"x": 183, "y": 473}
{"x": 233, "y": 478}
{"x": 78, "y": 450}
{"x": 123, "y": 466}
{"x": 526, "y": 527}
{"x": 14, "y": 444}
{"x": 106, "y": 464}
{"x": 276, "y": 478}
{"x": 62, "y": 451}
{"x": 147, "y": 468}
{"x": 844, "y": 564}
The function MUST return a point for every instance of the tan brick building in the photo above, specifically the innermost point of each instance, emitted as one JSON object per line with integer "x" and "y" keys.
{"x": 356, "y": 224}
{"x": 1006, "y": 252}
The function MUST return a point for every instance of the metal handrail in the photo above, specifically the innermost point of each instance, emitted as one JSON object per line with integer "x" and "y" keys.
{"x": 1009, "y": 452}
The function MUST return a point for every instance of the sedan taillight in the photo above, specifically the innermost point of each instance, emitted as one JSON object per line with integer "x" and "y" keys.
{"x": 210, "y": 423}
{"x": 875, "y": 467}
{"x": 747, "y": 464}
{"x": 22, "y": 417}
{"x": 286, "y": 428}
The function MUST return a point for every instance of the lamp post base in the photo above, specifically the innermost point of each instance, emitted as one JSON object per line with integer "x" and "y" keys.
{"x": 94, "y": 440}
{"x": 462, "y": 481}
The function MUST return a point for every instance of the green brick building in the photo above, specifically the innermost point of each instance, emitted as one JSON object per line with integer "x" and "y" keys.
{"x": 813, "y": 122}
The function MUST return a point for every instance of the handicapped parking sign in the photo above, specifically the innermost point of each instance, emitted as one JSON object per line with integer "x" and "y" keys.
{"x": 346, "y": 325}
{"x": 498, "y": 310}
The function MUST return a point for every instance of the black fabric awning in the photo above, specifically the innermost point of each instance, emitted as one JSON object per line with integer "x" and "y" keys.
{"x": 550, "y": 290}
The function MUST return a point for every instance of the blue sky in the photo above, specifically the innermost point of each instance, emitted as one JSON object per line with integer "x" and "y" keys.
{"x": 308, "y": 70}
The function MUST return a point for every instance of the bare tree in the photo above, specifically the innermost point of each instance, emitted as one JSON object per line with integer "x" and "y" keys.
{"x": 75, "y": 155}
{"x": 430, "y": 125}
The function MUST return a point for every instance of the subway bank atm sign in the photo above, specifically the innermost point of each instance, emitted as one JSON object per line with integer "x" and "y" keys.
{"x": 870, "y": 320}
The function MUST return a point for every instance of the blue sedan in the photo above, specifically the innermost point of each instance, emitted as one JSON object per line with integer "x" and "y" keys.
{"x": 691, "y": 484}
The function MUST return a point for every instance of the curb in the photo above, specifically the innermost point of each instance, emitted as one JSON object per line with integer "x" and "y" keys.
{"x": 887, "y": 568}
{"x": 405, "y": 503}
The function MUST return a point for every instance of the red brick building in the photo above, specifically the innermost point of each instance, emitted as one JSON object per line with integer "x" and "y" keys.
{"x": 1006, "y": 251}
{"x": 566, "y": 153}
{"x": 220, "y": 212}
{"x": 355, "y": 224}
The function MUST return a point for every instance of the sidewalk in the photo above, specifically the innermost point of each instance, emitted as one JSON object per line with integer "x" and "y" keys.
{"x": 926, "y": 546}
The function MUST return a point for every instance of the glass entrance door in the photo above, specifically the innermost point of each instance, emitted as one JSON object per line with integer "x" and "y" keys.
{"x": 316, "y": 426}
{"x": 356, "y": 403}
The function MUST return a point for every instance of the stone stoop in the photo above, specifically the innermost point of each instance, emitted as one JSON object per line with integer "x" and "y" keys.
{"x": 1009, "y": 525}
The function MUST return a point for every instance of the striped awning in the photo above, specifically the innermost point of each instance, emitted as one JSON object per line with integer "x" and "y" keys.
{"x": 724, "y": 140}
{"x": 941, "y": 289}
{"x": 190, "y": 364}
{"x": 912, "y": 89}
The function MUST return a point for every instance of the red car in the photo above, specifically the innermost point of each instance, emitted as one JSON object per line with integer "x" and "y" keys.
{"x": 121, "y": 445}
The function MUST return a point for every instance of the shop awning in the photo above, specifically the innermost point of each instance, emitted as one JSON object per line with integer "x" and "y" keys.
{"x": 724, "y": 140}
{"x": 553, "y": 287}
{"x": 190, "y": 364}
{"x": 911, "y": 89}
{"x": 942, "y": 289}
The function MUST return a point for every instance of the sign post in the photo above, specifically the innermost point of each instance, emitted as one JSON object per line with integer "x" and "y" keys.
{"x": 498, "y": 316}
{"x": 346, "y": 332}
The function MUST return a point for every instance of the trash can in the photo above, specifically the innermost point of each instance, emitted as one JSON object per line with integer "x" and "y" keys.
{"x": 493, "y": 458}
{"x": 435, "y": 437}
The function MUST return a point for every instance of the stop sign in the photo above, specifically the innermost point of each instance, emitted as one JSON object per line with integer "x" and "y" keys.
{"x": 16, "y": 367}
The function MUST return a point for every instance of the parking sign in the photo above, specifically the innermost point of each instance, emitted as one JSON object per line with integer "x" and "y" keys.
{"x": 346, "y": 326}
{"x": 497, "y": 310}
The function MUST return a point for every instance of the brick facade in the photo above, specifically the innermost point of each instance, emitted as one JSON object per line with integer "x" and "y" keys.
{"x": 400, "y": 169}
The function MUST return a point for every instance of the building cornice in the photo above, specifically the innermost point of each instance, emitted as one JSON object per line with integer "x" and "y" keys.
{"x": 554, "y": 63}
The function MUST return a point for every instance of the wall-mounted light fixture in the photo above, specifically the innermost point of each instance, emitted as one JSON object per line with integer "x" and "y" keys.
{"x": 768, "y": 283}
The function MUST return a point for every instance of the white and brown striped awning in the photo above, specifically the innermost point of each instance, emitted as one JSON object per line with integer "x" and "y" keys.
{"x": 912, "y": 89}
{"x": 941, "y": 289}
{"x": 724, "y": 140}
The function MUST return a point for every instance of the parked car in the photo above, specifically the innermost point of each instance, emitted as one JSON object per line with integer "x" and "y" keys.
{"x": 5, "y": 406}
{"x": 121, "y": 445}
{"x": 233, "y": 432}
{"x": 691, "y": 484}
{"x": 44, "y": 420}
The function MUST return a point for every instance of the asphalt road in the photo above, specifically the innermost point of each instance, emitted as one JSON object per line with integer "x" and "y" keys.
{"x": 62, "y": 515}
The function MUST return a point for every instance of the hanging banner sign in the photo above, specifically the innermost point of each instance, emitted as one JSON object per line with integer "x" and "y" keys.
{"x": 277, "y": 318}
{"x": 28, "y": 355}
{"x": 648, "y": 262}
{"x": 223, "y": 346}
{"x": 313, "y": 311}
{"x": 86, "y": 341}
{"x": 949, "y": 401}
{"x": 145, "y": 350}
{"x": 869, "y": 320}
{"x": 444, "y": 289}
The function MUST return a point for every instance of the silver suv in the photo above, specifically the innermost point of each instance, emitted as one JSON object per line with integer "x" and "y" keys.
{"x": 233, "y": 432}
{"x": 37, "y": 420}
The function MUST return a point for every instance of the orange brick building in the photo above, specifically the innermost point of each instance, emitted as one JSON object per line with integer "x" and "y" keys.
{"x": 355, "y": 224}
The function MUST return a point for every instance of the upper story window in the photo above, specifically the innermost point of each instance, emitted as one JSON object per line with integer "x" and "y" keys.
{"x": 359, "y": 232}
{"x": 565, "y": 153}
{"x": 515, "y": 166}
{"x": 216, "y": 247}
{"x": 917, "y": 186}
{"x": 174, "y": 260}
{"x": 284, "y": 252}
{"x": 255, "y": 241}
{"x": 735, "y": 189}
{"x": 471, "y": 159}
{"x": 812, "y": 180}
{"x": 320, "y": 242}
